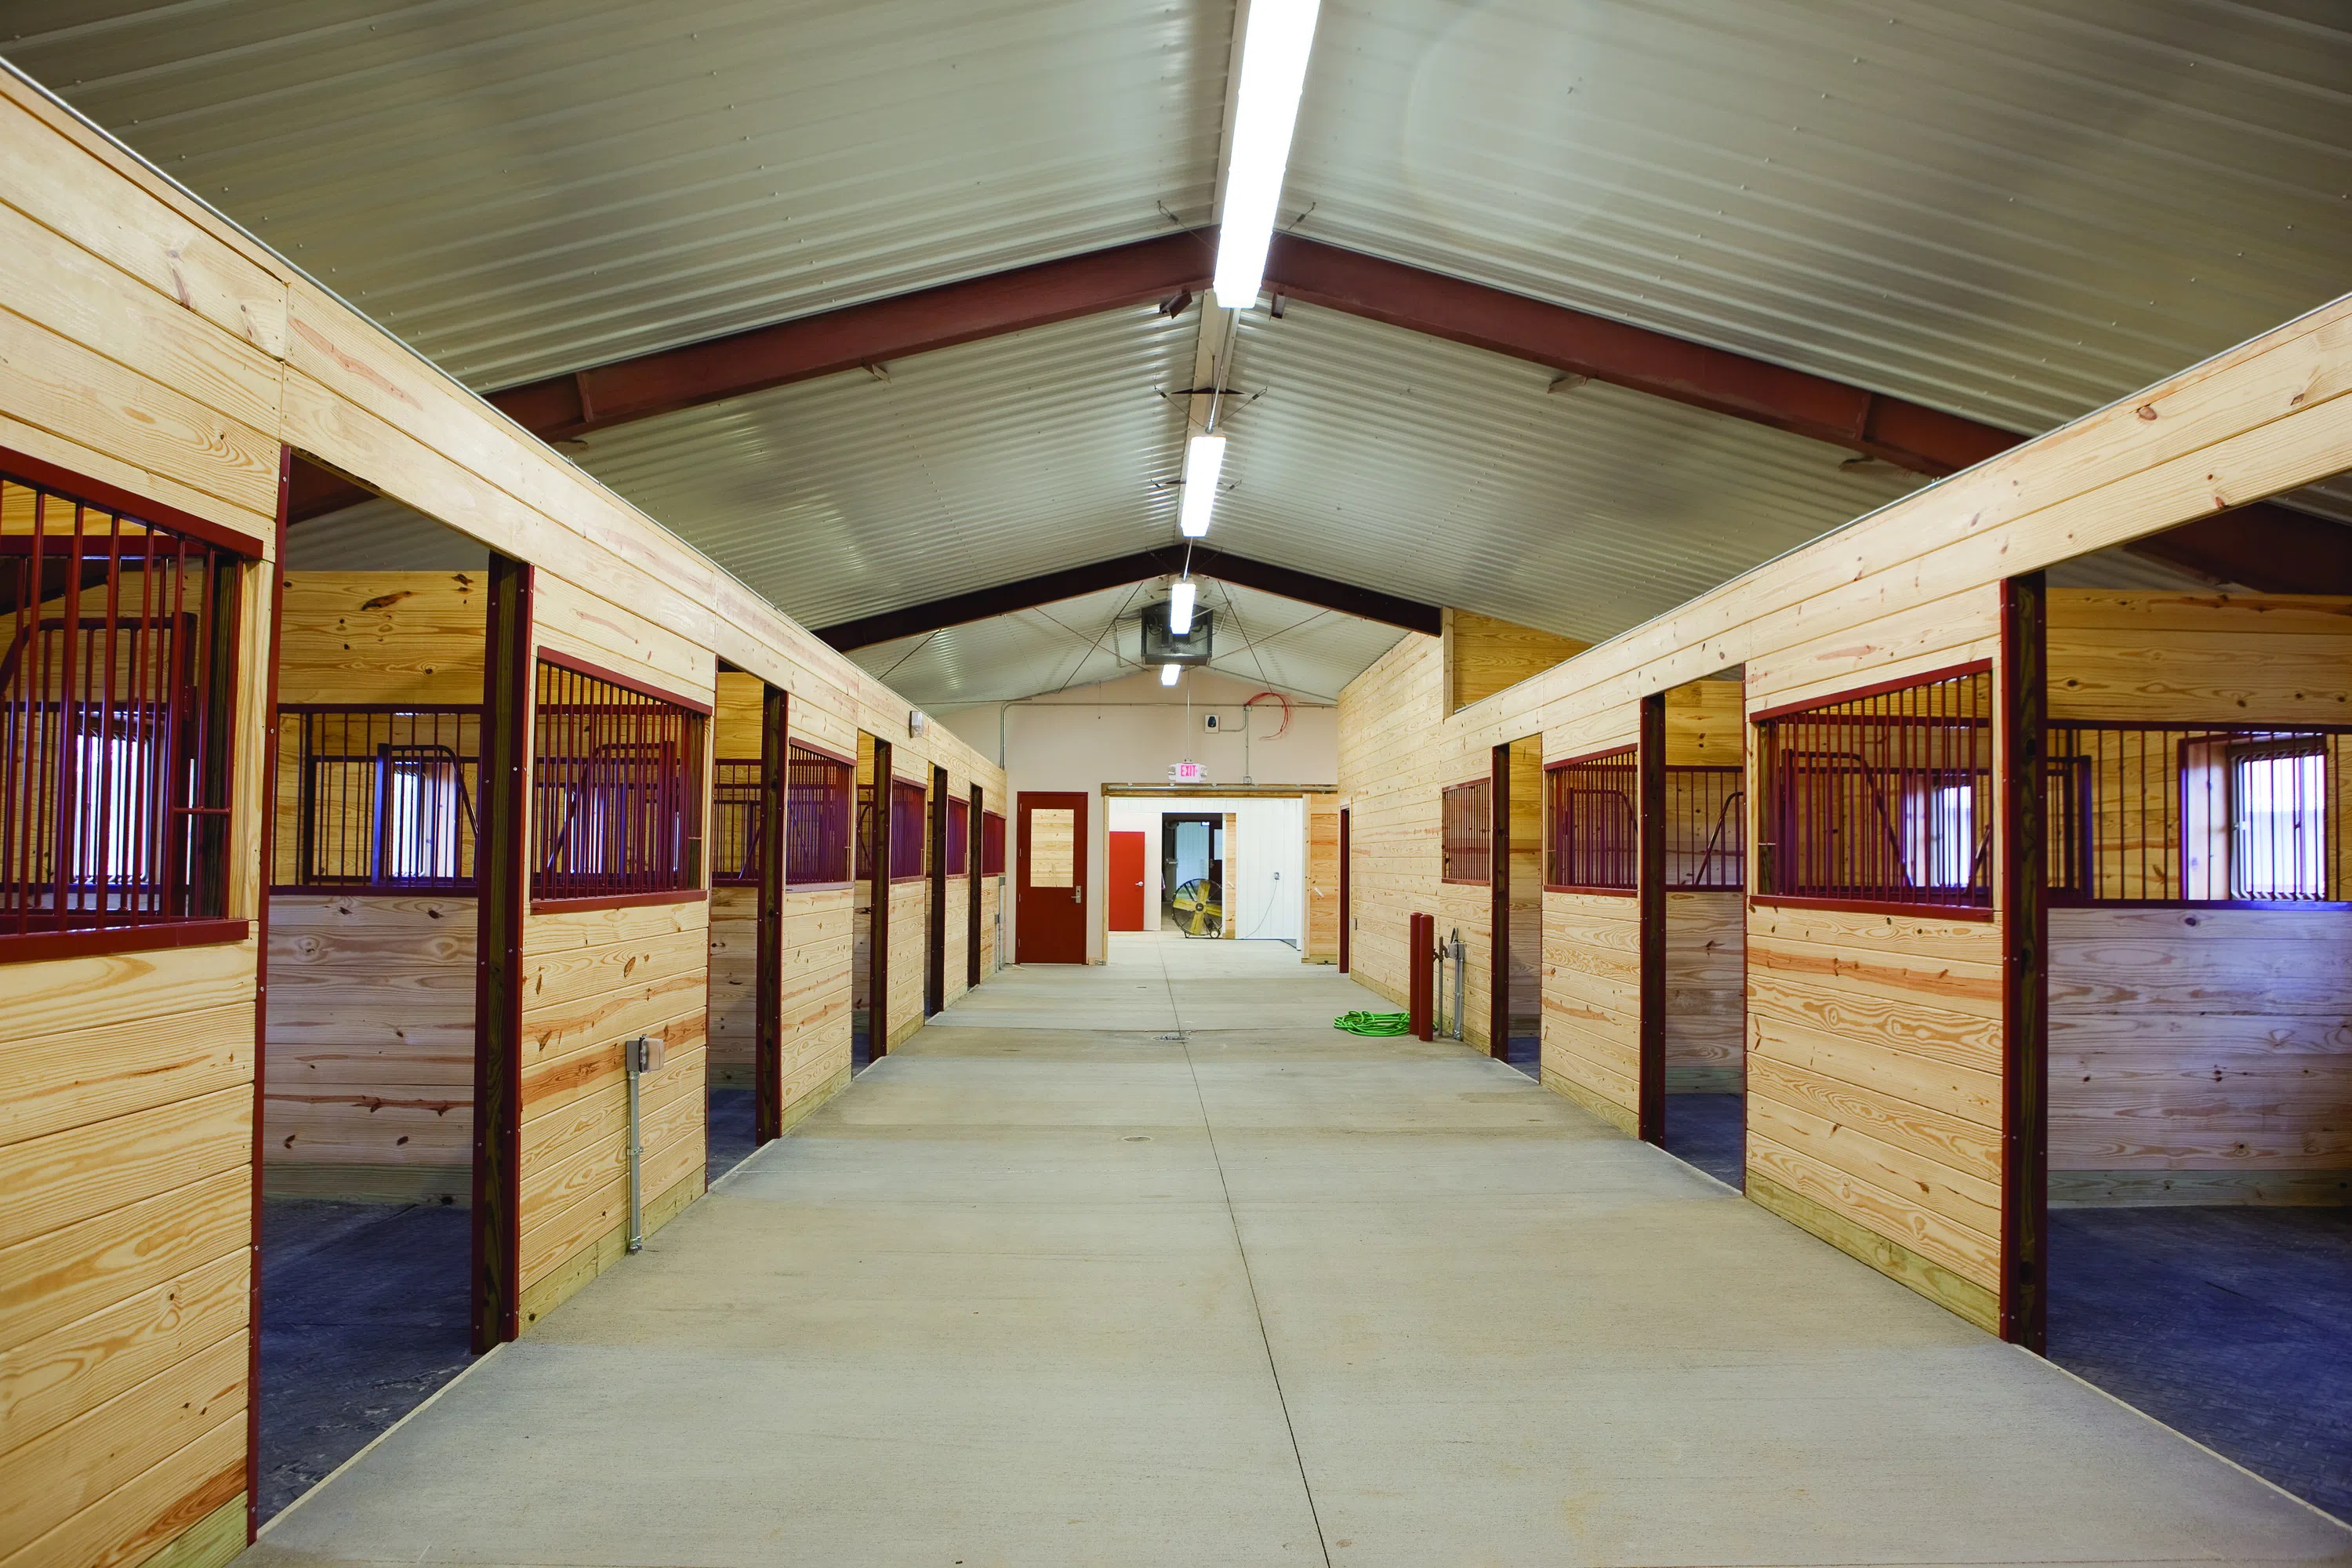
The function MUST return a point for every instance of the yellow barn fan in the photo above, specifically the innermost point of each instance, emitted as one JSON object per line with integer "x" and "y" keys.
{"x": 1200, "y": 908}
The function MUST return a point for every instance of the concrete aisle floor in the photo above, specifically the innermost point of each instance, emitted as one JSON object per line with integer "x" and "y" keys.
{"x": 1049, "y": 1286}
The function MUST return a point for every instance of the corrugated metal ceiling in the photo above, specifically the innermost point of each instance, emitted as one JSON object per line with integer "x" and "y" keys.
{"x": 2015, "y": 212}
{"x": 972, "y": 466}
{"x": 534, "y": 186}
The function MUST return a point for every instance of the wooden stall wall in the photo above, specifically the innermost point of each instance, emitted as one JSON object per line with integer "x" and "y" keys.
{"x": 149, "y": 344}
{"x": 140, "y": 349}
{"x": 371, "y": 1031}
{"x": 1592, "y": 964}
{"x": 910, "y": 904}
{"x": 1322, "y": 934}
{"x": 1705, "y": 931}
{"x": 2202, "y": 1055}
{"x": 593, "y": 978}
{"x": 1485, "y": 656}
{"x": 1395, "y": 754}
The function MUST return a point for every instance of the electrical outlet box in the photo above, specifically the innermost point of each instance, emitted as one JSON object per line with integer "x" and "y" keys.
{"x": 644, "y": 1054}
{"x": 1209, "y": 721}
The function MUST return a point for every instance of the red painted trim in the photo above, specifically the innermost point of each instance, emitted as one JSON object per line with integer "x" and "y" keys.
{"x": 138, "y": 508}
{"x": 643, "y": 689}
{"x": 827, "y": 752}
{"x": 1869, "y": 907}
{"x": 42, "y": 947}
{"x": 1925, "y": 677}
{"x": 618, "y": 901}
{"x": 1612, "y": 753}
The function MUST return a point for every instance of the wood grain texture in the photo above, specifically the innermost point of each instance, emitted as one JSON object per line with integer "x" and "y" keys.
{"x": 2175, "y": 658}
{"x": 2202, "y": 1041}
{"x": 1485, "y": 656}
{"x": 371, "y": 1035}
{"x": 382, "y": 637}
{"x": 1705, "y": 988}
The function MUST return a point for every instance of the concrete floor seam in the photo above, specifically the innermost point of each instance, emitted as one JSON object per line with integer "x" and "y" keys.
{"x": 1241, "y": 1249}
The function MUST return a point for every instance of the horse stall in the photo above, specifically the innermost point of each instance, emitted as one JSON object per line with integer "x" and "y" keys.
{"x": 736, "y": 794}
{"x": 1704, "y": 870}
{"x": 368, "y": 1111}
{"x": 2201, "y": 1019}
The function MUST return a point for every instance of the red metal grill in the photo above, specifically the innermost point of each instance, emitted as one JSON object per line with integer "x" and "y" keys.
{"x": 1883, "y": 797}
{"x": 816, "y": 817}
{"x": 376, "y": 796}
{"x": 735, "y": 820}
{"x": 992, "y": 844}
{"x": 2195, "y": 813}
{"x": 1595, "y": 825}
{"x": 617, "y": 788}
{"x": 958, "y": 836}
{"x": 906, "y": 824}
{"x": 1706, "y": 828}
{"x": 865, "y": 830}
{"x": 1466, "y": 821}
{"x": 117, "y": 692}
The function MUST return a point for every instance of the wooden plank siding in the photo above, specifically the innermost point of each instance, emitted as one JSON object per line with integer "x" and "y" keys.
{"x": 2202, "y": 1055}
{"x": 1875, "y": 1114}
{"x": 151, "y": 346}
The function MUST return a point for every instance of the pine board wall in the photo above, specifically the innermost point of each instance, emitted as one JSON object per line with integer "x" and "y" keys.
{"x": 370, "y": 1037}
{"x": 148, "y": 345}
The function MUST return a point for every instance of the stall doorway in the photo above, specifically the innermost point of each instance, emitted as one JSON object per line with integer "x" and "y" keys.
{"x": 375, "y": 914}
{"x": 870, "y": 904}
{"x": 1515, "y": 1029}
{"x": 1703, "y": 869}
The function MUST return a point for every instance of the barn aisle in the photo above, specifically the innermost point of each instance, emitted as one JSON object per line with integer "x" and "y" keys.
{"x": 1146, "y": 1264}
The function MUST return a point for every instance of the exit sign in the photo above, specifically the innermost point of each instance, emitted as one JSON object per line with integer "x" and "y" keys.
{"x": 1187, "y": 772}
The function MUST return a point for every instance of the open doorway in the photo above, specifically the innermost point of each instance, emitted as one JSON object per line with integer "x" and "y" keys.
{"x": 1515, "y": 1030}
{"x": 738, "y": 796}
{"x": 1703, "y": 869}
{"x": 2198, "y": 874}
{"x": 870, "y": 912}
{"x": 368, "y": 1150}
{"x": 1192, "y": 900}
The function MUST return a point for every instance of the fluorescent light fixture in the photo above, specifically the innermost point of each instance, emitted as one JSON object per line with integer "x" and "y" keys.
{"x": 1169, "y": 672}
{"x": 1265, "y": 109}
{"x": 1179, "y": 606}
{"x": 1205, "y": 459}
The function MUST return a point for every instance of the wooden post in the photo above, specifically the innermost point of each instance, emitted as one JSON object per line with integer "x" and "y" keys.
{"x": 877, "y": 924}
{"x": 768, "y": 968}
{"x": 1651, "y": 879}
{"x": 501, "y": 826}
{"x": 935, "y": 923}
{"x": 974, "y": 832}
{"x": 2024, "y": 912}
{"x": 1498, "y": 903}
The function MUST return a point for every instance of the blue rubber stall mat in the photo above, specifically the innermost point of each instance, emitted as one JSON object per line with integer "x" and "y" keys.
{"x": 365, "y": 1313}
{"x": 1710, "y": 1131}
{"x": 731, "y": 1134}
{"x": 2233, "y": 1325}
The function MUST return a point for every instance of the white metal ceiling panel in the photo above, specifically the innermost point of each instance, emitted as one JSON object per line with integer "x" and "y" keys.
{"x": 536, "y": 186}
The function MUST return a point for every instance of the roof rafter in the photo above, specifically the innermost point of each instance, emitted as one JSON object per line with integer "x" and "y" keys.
{"x": 2267, "y": 547}
{"x": 1028, "y": 593}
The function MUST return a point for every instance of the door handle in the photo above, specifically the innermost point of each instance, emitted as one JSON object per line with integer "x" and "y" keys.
{"x": 1077, "y": 893}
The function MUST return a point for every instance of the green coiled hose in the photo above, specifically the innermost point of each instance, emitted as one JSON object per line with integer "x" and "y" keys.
{"x": 1373, "y": 1022}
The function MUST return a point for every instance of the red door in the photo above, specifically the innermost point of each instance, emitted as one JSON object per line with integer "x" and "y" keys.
{"x": 1125, "y": 889}
{"x": 1049, "y": 883}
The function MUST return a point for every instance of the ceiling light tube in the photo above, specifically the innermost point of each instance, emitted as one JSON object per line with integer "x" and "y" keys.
{"x": 1168, "y": 673}
{"x": 1265, "y": 109}
{"x": 1205, "y": 459}
{"x": 1180, "y": 607}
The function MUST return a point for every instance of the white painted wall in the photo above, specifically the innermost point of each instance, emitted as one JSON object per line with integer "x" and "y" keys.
{"x": 1265, "y": 856}
{"x": 1128, "y": 731}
